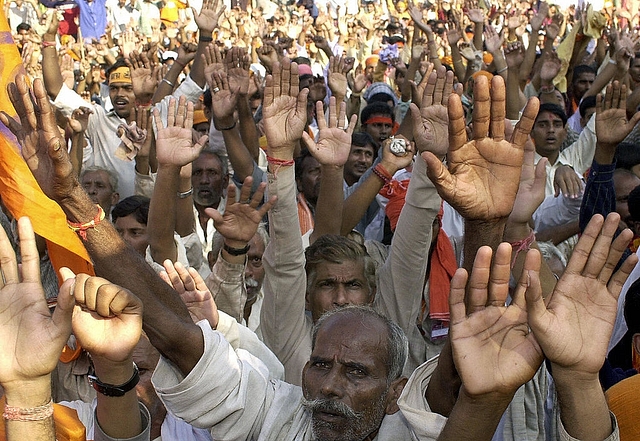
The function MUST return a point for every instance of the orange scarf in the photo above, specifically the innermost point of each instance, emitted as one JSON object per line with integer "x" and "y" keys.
{"x": 305, "y": 217}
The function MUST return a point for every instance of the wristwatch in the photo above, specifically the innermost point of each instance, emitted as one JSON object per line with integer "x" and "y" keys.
{"x": 112, "y": 390}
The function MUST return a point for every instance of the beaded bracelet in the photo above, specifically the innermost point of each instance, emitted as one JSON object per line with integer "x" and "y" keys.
{"x": 81, "y": 229}
{"x": 383, "y": 174}
{"x": 37, "y": 413}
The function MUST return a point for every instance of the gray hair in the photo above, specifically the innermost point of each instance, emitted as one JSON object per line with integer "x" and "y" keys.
{"x": 397, "y": 342}
{"x": 337, "y": 249}
{"x": 113, "y": 177}
{"x": 223, "y": 160}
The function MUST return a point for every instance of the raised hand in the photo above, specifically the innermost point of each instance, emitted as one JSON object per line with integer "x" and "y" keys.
{"x": 237, "y": 64}
{"x": 79, "y": 119}
{"x": 567, "y": 182}
{"x": 476, "y": 15}
{"x": 107, "y": 319}
{"x": 42, "y": 147}
{"x": 33, "y": 338}
{"x": 417, "y": 90}
{"x": 469, "y": 184}
{"x": 574, "y": 328}
{"x": 240, "y": 220}
{"x": 551, "y": 65}
{"x": 173, "y": 142}
{"x": 209, "y": 16}
{"x": 492, "y": 40}
{"x": 538, "y": 19}
{"x": 285, "y": 109}
{"x": 224, "y": 100}
{"x": 213, "y": 62}
{"x": 493, "y": 350}
{"x": 334, "y": 141}
{"x": 337, "y": 80}
{"x": 193, "y": 292}
{"x": 532, "y": 186}
{"x": 514, "y": 54}
{"x": 142, "y": 78}
{"x": 430, "y": 121}
{"x": 612, "y": 125}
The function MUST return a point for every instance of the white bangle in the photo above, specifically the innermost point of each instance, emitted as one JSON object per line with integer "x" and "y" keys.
{"x": 612, "y": 61}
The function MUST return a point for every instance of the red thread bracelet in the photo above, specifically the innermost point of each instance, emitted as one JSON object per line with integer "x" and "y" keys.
{"x": 277, "y": 163}
{"x": 81, "y": 229}
{"x": 48, "y": 43}
{"x": 522, "y": 245}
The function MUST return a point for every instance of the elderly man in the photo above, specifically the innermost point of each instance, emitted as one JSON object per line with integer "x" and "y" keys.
{"x": 101, "y": 184}
{"x": 243, "y": 401}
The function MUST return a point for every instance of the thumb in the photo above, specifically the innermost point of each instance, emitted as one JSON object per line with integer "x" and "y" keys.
{"x": 64, "y": 310}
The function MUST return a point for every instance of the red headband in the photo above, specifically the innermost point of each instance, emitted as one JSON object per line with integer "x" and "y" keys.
{"x": 379, "y": 119}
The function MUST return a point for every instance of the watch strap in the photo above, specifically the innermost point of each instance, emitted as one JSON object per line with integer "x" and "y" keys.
{"x": 112, "y": 390}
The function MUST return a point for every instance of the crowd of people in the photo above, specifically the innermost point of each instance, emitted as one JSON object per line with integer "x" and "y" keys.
{"x": 262, "y": 187}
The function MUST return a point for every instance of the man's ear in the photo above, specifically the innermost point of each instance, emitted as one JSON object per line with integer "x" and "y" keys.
{"x": 307, "y": 305}
{"x": 372, "y": 294}
{"x": 395, "y": 389}
{"x": 115, "y": 197}
{"x": 636, "y": 342}
{"x": 304, "y": 374}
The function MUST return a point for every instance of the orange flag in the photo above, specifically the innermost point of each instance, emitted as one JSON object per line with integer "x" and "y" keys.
{"x": 20, "y": 192}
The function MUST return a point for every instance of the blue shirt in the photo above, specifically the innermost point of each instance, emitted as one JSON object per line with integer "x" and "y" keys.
{"x": 93, "y": 18}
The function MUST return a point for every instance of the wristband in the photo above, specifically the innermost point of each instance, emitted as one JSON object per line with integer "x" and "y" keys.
{"x": 81, "y": 229}
{"x": 205, "y": 39}
{"x": 222, "y": 129}
{"x": 382, "y": 173}
{"x": 236, "y": 251}
{"x": 185, "y": 194}
{"x": 522, "y": 245}
{"x": 38, "y": 413}
{"x": 48, "y": 44}
{"x": 277, "y": 163}
{"x": 164, "y": 80}
{"x": 112, "y": 390}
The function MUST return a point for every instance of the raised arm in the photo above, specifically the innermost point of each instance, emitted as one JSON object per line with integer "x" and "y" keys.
{"x": 282, "y": 319}
{"x": 107, "y": 322}
{"x": 166, "y": 319}
{"x": 224, "y": 101}
{"x": 50, "y": 69}
{"x": 174, "y": 150}
{"x": 33, "y": 340}
{"x": 207, "y": 22}
{"x": 331, "y": 151}
{"x": 573, "y": 330}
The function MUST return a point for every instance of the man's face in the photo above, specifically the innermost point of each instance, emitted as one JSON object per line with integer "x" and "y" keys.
{"x": 588, "y": 113}
{"x": 254, "y": 271}
{"x": 97, "y": 186}
{"x": 207, "y": 180}
{"x": 581, "y": 84}
{"x": 336, "y": 285}
{"x": 133, "y": 232}
{"x": 360, "y": 159}
{"x": 623, "y": 184}
{"x": 309, "y": 180}
{"x": 22, "y": 36}
{"x": 122, "y": 98}
{"x": 548, "y": 134}
{"x": 379, "y": 131}
{"x": 345, "y": 381}
{"x": 634, "y": 69}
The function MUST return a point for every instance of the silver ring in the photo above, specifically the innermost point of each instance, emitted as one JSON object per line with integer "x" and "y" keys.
{"x": 216, "y": 89}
